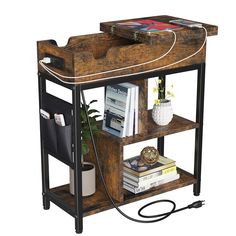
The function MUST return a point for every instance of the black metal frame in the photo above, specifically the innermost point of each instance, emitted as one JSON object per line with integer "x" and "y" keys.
{"x": 161, "y": 140}
{"x": 77, "y": 213}
{"x": 199, "y": 131}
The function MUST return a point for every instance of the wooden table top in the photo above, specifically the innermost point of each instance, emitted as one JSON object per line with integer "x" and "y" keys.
{"x": 154, "y": 37}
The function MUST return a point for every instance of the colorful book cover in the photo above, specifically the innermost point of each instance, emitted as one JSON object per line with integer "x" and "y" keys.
{"x": 132, "y": 165}
{"x": 116, "y": 110}
{"x": 148, "y": 25}
{"x": 154, "y": 175}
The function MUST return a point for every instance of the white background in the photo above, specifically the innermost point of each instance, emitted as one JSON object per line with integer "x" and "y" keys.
{"x": 25, "y": 22}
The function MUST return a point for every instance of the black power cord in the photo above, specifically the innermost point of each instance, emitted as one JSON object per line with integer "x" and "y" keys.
{"x": 158, "y": 217}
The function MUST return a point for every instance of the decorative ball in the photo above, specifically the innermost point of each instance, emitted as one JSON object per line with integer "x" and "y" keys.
{"x": 149, "y": 155}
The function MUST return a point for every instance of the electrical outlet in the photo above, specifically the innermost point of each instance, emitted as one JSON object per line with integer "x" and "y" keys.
{"x": 56, "y": 62}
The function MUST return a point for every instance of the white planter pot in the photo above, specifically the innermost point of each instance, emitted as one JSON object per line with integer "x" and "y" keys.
{"x": 88, "y": 180}
{"x": 162, "y": 114}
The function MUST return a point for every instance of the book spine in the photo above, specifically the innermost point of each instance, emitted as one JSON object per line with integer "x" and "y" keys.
{"x": 136, "y": 190}
{"x": 131, "y": 112}
{"x": 167, "y": 180}
{"x": 126, "y": 112}
{"x": 150, "y": 176}
{"x": 150, "y": 171}
{"x": 116, "y": 104}
{"x": 136, "y": 106}
{"x": 149, "y": 181}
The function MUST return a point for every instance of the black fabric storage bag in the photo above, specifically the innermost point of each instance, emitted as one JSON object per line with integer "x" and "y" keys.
{"x": 64, "y": 142}
{"x": 49, "y": 134}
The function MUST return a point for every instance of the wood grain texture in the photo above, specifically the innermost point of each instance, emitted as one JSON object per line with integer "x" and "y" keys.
{"x": 184, "y": 180}
{"x": 110, "y": 154}
{"x": 143, "y": 99}
{"x": 87, "y": 55}
{"x": 50, "y": 47}
{"x": 178, "y": 124}
{"x": 84, "y": 63}
{"x": 99, "y": 202}
{"x": 155, "y": 37}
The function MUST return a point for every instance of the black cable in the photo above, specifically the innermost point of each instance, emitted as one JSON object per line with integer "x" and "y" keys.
{"x": 160, "y": 217}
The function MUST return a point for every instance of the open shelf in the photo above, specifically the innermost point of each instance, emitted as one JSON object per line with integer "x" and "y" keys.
{"x": 99, "y": 202}
{"x": 178, "y": 124}
{"x": 92, "y": 204}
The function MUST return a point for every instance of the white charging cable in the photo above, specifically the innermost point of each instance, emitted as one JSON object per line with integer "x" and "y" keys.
{"x": 57, "y": 75}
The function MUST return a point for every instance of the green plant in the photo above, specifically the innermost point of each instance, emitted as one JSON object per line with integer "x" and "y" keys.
{"x": 160, "y": 90}
{"x": 85, "y": 133}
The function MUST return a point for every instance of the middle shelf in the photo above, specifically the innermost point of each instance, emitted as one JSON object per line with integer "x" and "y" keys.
{"x": 178, "y": 124}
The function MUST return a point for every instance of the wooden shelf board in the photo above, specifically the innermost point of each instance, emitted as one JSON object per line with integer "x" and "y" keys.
{"x": 99, "y": 202}
{"x": 92, "y": 204}
{"x": 178, "y": 124}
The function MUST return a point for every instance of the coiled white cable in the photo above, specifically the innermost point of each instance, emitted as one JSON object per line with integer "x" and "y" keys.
{"x": 58, "y": 75}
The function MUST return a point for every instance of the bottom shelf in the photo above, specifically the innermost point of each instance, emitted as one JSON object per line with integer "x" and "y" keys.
{"x": 99, "y": 202}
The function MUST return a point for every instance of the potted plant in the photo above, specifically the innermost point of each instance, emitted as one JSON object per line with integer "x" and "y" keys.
{"x": 88, "y": 169}
{"x": 162, "y": 112}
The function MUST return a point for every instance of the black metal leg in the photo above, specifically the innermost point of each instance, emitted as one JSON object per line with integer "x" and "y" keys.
{"x": 45, "y": 175}
{"x": 199, "y": 131}
{"x": 44, "y": 155}
{"x": 160, "y": 142}
{"x": 160, "y": 145}
{"x": 76, "y": 137}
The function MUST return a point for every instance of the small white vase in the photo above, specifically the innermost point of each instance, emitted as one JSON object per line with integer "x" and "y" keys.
{"x": 88, "y": 180}
{"x": 162, "y": 114}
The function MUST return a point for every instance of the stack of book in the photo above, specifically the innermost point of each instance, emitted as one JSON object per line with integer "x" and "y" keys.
{"x": 121, "y": 109}
{"x": 137, "y": 179}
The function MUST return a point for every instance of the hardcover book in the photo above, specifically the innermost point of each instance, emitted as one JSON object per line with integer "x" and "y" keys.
{"x": 132, "y": 122}
{"x": 116, "y": 109}
{"x": 136, "y": 190}
{"x": 132, "y": 165}
{"x": 154, "y": 175}
{"x": 121, "y": 109}
{"x": 149, "y": 181}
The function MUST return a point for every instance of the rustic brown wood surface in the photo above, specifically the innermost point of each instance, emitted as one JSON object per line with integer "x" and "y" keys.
{"x": 110, "y": 150}
{"x": 155, "y": 37}
{"x": 99, "y": 202}
{"x": 178, "y": 124}
{"x": 95, "y": 53}
{"x": 143, "y": 99}
{"x": 110, "y": 155}
{"x": 91, "y": 54}
{"x": 83, "y": 62}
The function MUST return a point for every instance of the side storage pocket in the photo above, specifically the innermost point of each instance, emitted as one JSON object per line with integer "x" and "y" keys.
{"x": 49, "y": 134}
{"x": 64, "y": 142}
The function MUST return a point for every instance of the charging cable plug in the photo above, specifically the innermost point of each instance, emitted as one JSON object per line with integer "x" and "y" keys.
{"x": 46, "y": 60}
{"x": 196, "y": 204}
